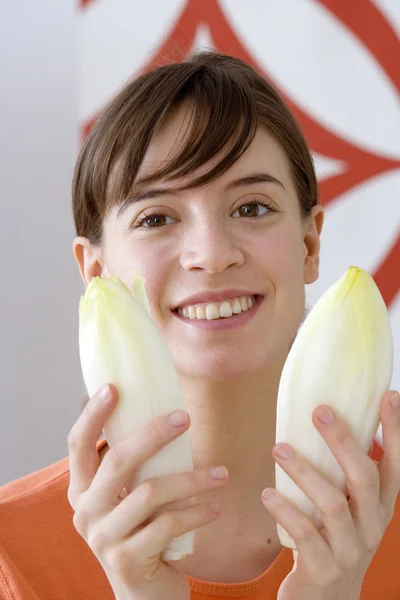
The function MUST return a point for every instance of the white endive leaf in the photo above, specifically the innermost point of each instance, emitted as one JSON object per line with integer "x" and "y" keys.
{"x": 120, "y": 344}
{"x": 343, "y": 357}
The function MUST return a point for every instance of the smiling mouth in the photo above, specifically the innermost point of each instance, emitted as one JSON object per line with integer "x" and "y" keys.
{"x": 218, "y": 310}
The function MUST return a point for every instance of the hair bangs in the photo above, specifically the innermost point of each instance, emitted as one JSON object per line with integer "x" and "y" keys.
{"x": 222, "y": 119}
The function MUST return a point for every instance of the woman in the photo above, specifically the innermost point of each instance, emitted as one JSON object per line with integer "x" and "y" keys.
{"x": 197, "y": 175}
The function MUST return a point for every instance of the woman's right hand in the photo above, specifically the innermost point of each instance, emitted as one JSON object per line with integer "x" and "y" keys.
{"x": 121, "y": 533}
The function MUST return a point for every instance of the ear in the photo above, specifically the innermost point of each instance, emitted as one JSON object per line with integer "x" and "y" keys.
{"x": 88, "y": 257}
{"x": 311, "y": 243}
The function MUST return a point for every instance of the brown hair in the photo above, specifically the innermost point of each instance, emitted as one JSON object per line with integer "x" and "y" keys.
{"x": 229, "y": 100}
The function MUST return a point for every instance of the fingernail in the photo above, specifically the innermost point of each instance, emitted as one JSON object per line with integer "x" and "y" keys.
{"x": 283, "y": 451}
{"x": 178, "y": 418}
{"x": 268, "y": 494}
{"x": 105, "y": 393}
{"x": 218, "y": 472}
{"x": 325, "y": 415}
{"x": 395, "y": 400}
{"x": 215, "y": 507}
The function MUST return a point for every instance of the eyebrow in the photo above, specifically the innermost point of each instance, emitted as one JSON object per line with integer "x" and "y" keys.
{"x": 146, "y": 193}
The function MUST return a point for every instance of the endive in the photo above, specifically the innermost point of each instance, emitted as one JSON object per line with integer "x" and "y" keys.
{"x": 119, "y": 344}
{"x": 343, "y": 357}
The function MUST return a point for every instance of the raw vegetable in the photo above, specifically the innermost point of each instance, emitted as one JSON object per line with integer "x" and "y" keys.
{"x": 119, "y": 344}
{"x": 343, "y": 357}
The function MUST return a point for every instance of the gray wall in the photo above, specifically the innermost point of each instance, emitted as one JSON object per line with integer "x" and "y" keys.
{"x": 42, "y": 391}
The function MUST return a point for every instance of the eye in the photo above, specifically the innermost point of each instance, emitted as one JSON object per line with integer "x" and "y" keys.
{"x": 255, "y": 208}
{"x": 152, "y": 221}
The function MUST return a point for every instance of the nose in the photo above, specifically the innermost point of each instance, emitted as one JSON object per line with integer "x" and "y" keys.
{"x": 209, "y": 247}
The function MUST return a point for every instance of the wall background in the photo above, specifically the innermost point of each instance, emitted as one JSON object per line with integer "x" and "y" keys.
{"x": 42, "y": 391}
{"x": 336, "y": 64}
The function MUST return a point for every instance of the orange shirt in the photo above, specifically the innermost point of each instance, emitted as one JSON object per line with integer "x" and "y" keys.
{"x": 42, "y": 557}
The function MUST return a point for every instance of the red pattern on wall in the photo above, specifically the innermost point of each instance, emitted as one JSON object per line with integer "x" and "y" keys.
{"x": 84, "y": 3}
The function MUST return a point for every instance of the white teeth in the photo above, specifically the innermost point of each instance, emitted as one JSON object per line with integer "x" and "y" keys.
{"x": 201, "y": 312}
{"x": 243, "y": 303}
{"x": 212, "y": 312}
{"x": 225, "y": 310}
{"x": 236, "y": 308}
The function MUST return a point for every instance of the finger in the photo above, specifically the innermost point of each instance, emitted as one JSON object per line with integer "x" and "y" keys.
{"x": 340, "y": 531}
{"x": 153, "y": 539}
{"x": 153, "y": 494}
{"x": 123, "y": 459}
{"x": 389, "y": 465}
{"x": 83, "y": 456}
{"x": 314, "y": 552}
{"x": 362, "y": 475}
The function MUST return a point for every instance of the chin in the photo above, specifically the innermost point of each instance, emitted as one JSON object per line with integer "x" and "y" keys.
{"x": 221, "y": 365}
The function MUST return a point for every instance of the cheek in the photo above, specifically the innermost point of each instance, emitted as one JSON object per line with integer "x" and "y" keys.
{"x": 285, "y": 258}
{"x": 154, "y": 261}
{"x": 124, "y": 256}
{"x": 282, "y": 255}
{"x": 156, "y": 268}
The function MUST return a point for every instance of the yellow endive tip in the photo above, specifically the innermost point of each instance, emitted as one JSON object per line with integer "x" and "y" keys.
{"x": 101, "y": 285}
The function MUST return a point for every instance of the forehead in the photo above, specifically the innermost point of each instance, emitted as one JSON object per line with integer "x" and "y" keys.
{"x": 264, "y": 153}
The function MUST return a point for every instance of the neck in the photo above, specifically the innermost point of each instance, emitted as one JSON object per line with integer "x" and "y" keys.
{"x": 233, "y": 424}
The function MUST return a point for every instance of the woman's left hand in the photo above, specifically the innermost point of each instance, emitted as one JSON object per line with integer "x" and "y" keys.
{"x": 330, "y": 563}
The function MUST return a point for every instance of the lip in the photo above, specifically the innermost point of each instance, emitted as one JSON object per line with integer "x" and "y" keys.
{"x": 214, "y": 297}
{"x": 224, "y": 324}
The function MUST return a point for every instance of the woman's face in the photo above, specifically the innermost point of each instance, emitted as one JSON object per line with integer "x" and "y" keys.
{"x": 240, "y": 236}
